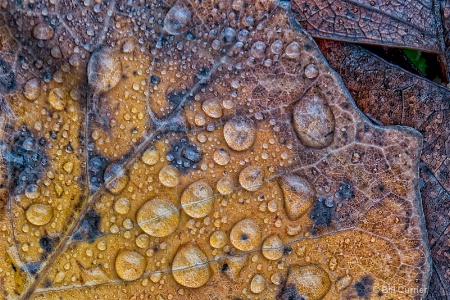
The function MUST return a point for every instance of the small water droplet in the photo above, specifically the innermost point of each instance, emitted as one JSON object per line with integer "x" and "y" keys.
{"x": 176, "y": 19}
{"x": 311, "y": 71}
{"x": 258, "y": 284}
{"x": 272, "y": 248}
{"x": 218, "y": 239}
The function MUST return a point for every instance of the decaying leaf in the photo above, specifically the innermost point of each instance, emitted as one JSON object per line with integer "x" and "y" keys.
{"x": 178, "y": 150}
{"x": 400, "y": 23}
{"x": 390, "y": 96}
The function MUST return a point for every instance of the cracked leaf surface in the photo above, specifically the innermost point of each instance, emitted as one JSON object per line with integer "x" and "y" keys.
{"x": 157, "y": 151}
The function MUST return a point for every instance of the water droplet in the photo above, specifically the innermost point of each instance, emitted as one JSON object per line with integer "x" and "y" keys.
{"x": 32, "y": 89}
{"x": 239, "y": 133}
{"x": 104, "y": 70}
{"x": 43, "y": 31}
{"x": 299, "y": 195}
{"x": 190, "y": 266}
{"x": 221, "y": 157}
{"x": 258, "y": 284}
{"x": 197, "y": 200}
{"x": 122, "y": 206}
{"x": 245, "y": 235}
{"x": 311, "y": 71}
{"x": 225, "y": 185}
{"x": 317, "y": 285}
{"x": 127, "y": 47}
{"x": 120, "y": 180}
{"x": 258, "y": 49}
{"x": 218, "y": 239}
{"x": 272, "y": 247}
{"x": 68, "y": 167}
{"x": 169, "y": 176}
{"x": 57, "y": 98}
{"x": 142, "y": 241}
{"x": 32, "y": 191}
{"x": 251, "y": 178}
{"x": 314, "y": 120}
{"x": 130, "y": 265}
{"x": 150, "y": 157}
{"x": 158, "y": 217}
{"x": 293, "y": 50}
{"x": 176, "y": 19}
{"x": 212, "y": 108}
{"x": 39, "y": 214}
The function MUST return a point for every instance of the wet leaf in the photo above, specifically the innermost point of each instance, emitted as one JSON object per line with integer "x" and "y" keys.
{"x": 398, "y": 23}
{"x": 177, "y": 150}
{"x": 389, "y": 95}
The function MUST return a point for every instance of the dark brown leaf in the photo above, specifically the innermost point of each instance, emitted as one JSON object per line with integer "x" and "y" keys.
{"x": 399, "y": 23}
{"x": 389, "y": 95}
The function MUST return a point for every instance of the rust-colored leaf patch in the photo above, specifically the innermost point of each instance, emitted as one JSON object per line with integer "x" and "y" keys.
{"x": 184, "y": 150}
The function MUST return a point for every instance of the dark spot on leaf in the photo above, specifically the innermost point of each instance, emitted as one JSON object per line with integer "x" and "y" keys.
{"x": 27, "y": 158}
{"x": 90, "y": 227}
{"x": 46, "y": 244}
{"x": 224, "y": 267}
{"x": 364, "y": 286}
{"x": 244, "y": 237}
{"x": 7, "y": 77}
{"x": 96, "y": 167}
{"x": 32, "y": 267}
{"x": 345, "y": 191}
{"x": 289, "y": 293}
{"x": 321, "y": 214}
{"x": 287, "y": 250}
{"x": 183, "y": 155}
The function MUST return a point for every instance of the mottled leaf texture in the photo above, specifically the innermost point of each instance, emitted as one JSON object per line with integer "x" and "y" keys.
{"x": 398, "y": 23}
{"x": 186, "y": 150}
{"x": 390, "y": 95}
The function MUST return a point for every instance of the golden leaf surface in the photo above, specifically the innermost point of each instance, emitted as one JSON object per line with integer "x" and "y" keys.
{"x": 187, "y": 150}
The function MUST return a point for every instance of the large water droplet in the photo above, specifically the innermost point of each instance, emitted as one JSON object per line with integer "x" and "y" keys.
{"x": 104, "y": 70}
{"x": 272, "y": 247}
{"x": 317, "y": 285}
{"x": 57, "y": 98}
{"x": 258, "y": 284}
{"x": 158, "y": 217}
{"x": 299, "y": 195}
{"x": 43, "y": 31}
{"x": 32, "y": 89}
{"x": 221, "y": 157}
{"x": 122, "y": 206}
{"x": 239, "y": 133}
{"x": 150, "y": 157}
{"x": 176, "y": 19}
{"x": 32, "y": 191}
{"x": 197, "y": 200}
{"x": 245, "y": 235}
{"x": 120, "y": 180}
{"x": 251, "y": 178}
{"x": 39, "y": 214}
{"x": 225, "y": 185}
{"x": 130, "y": 265}
{"x": 218, "y": 239}
{"x": 212, "y": 108}
{"x": 169, "y": 176}
{"x": 190, "y": 266}
{"x": 314, "y": 120}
